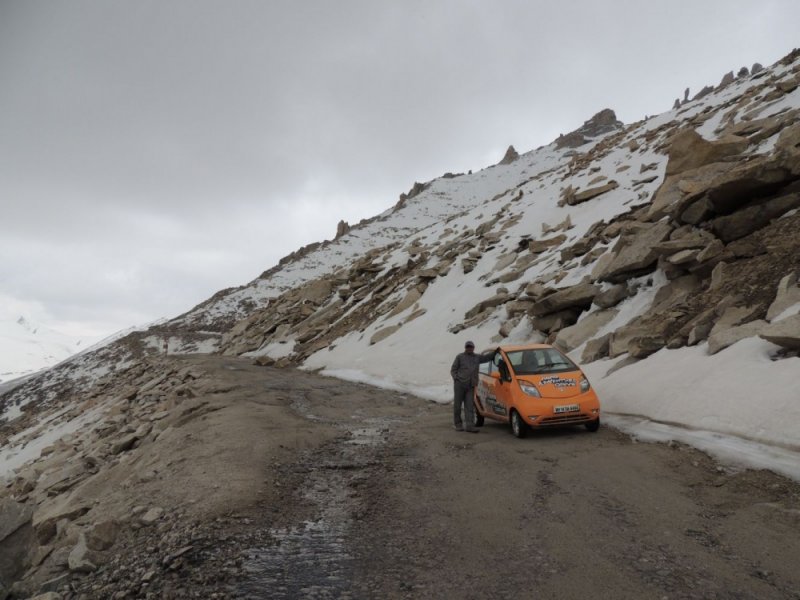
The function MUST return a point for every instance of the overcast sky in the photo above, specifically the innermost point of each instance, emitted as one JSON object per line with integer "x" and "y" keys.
{"x": 153, "y": 152}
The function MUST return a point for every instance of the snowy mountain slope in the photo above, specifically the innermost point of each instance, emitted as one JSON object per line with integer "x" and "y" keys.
{"x": 632, "y": 247}
{"x": 26, "y": 347}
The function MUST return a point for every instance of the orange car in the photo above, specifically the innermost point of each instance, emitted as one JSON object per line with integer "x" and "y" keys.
{"x": 535, "y": 386}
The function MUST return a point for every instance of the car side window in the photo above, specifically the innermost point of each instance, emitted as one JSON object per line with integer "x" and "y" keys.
{"x": 484, "y": 368}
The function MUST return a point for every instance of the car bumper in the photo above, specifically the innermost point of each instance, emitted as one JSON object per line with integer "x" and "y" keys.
{"x": 546, "y": 412}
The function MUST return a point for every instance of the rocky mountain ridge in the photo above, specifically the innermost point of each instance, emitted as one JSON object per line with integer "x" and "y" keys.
{"x": 626, "y": 245}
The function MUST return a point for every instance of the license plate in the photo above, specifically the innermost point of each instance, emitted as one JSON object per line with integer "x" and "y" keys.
{"x": 566, "y": 408}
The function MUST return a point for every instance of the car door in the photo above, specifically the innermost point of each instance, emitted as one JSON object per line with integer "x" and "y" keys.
{"x": 503, "y": 393}
{"x": 486, "y": 391}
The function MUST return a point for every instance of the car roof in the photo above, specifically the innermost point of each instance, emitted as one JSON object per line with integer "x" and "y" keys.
{"x": 514, "y": 347}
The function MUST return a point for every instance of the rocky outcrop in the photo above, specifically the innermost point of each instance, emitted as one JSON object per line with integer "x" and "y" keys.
{"x": 577, "y": 297}
{"x": 510, "y": 156}
{"x": 689, "y": 150}
{"x": 16, "y": 537}
{"x": 752, "y": 217}
{"x": 633, "y": 254}
{"x": 342, "y": 228}
{"x": 603, "y": 122}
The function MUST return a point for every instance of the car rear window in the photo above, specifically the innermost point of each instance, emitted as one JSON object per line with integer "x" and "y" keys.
{"x": 540, "y": 360}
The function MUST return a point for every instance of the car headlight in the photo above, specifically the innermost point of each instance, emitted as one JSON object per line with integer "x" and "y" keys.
{"x": 585, "y": 385}
{"x": 529, "y": 389}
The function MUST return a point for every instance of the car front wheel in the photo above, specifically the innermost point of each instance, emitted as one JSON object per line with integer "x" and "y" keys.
{"x": 477, "y": 418}
{"x": 593, "y": 425}
{"x": 518, "y": 427}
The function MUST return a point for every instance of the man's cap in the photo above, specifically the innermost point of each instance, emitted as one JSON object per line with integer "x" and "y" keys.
{"x": 469, "y": 345}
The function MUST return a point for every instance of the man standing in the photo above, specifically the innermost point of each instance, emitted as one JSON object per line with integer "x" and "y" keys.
{"x": 465, "y": 377}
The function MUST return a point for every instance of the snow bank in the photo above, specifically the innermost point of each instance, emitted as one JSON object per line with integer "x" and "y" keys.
{"x": 740, "y": 391}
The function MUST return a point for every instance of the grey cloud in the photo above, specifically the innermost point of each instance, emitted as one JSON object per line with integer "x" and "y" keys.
{"x": 148, "y": 129}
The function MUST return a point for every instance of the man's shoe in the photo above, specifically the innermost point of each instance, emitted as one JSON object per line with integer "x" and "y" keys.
{"x": 473, "y": 430}
{"x": 458, "y": 428}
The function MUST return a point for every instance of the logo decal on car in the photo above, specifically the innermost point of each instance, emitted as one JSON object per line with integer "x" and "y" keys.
{"x": 558, "y": 381}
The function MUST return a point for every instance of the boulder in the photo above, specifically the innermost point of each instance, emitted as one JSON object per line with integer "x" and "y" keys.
{"x": 411, "y": 298}
{"x": 727, "y": 337}
{"x": 732, "y": 316}
{"x": 555, "y": 321}
{"x": 675, "y": 292}
{"x": 596, "y": 349}
{"x": 751, "y": 218}
{"x": 468, "y": 264}
{"x": 643, "y": 346}
{"x": 618, "y": 343}
{"x": 517, "y": 307}
{"x": 505, "y": 261}
{"x": 103, "y": 535}
{"x": 578, "y": 297}
{"x": 670, "y": 247}
{"x": 689, "y": 150}
{"x": 382, "y": 334}
{"x": 699, "y": 333}
{"x": 539, "y": 246}
{"x": 537, "y": 290}
{"x": 683, "y": 257}
{"x": 81, "y": 559}
{"x": 757, "y": 178}
{"x": 500, "y": 298}
{"x": 16, "y": 538}
{"x": 573, "y": 336}
{"x": 587, "y": 194}
{"x": 579, "y": 248}
{"x": 697, "y": 212}
{"x": 264, "y": 361}
{"x": 317, "y": 291}
{"x": 784, "y": 333}
{"x": 757, "y": 130}
{"x": 644, "y": 180}
{"x": 506, "y": 328}
{"x": 633, "y": 254}
{"x": 788, "y": 295}
{"x": 63, "y": 478}
{"x": 124, "y": 443}
{"x": 151, "y": 515}
{"x": 710, "y": 252}
{"x": 612, "y": 296}
{"x": 562, "y": 226}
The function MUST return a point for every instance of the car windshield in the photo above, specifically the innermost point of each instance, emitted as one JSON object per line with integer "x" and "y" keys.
{"x": 539, "y": 360}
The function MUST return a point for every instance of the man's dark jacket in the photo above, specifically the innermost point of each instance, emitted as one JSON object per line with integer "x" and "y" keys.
{"x": 465, "y": 367}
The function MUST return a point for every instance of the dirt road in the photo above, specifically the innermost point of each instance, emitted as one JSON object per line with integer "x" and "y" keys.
{"x": 355, "y": 492}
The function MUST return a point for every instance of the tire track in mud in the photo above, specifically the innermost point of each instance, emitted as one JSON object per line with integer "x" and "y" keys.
{"x": 315, "y": 558}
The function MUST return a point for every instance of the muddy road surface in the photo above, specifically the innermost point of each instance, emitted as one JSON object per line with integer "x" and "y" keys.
{"x": 367, "y": 493}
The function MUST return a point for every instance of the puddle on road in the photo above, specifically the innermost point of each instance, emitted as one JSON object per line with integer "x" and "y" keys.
{"x": 312, "y": 559}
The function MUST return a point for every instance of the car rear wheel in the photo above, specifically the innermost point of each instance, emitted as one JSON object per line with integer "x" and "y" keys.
{"x": 518, "y": 427}
{"x": 593, "y": 425}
